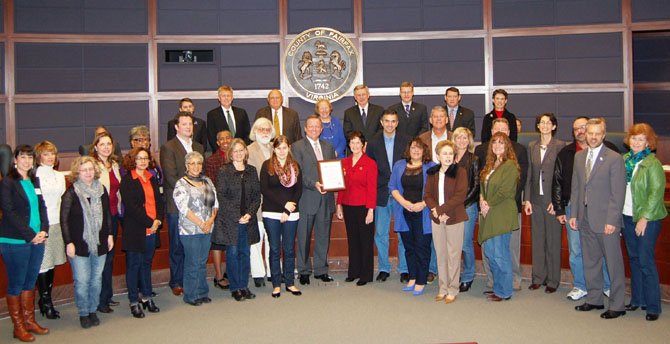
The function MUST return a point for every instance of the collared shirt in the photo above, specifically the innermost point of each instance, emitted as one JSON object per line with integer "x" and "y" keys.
{"x": 360, "y": 109}
{"x": 188, "y": 145}
{"x": 388, "y": 143}
{"x": 595, "y": 151}
{"x": 232, "y": 116}
{"x": 280, "y": 116}
{"x": 312, "y": 143}
{"x": 405, "y": 105}
{"x": 434, "y": 141}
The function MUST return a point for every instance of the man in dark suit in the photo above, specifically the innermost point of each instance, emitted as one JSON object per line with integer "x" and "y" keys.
{"x": 386, "y": 148}
{"x": 596, "y": 201}
{"x": 316, "y": 205}
{"x": 227, "y": 117}
{"x": 284, "y": 120}
{"x": 199, "y": 125}
{"x": 172, "y": 155}
{"x": 412, "y": 116}
{"x": 363, "y": 116}
{"x": 501, "y": 125}
{"x": 459, "y": 116}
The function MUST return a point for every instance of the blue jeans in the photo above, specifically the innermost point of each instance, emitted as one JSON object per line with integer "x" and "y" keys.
{"x": 644, "y": 285}
{"x": 107, "y": 291}
{"x": 281, "y": 235}
{"x": 22, "y": 263}
{"x": 418, "y": 246}
{"x": 196, "y": 252}
{"x": 500, "y": 260}
{"x": 238, "y": 264}
{"x": 176, "y": 252}
{"x": 87, "y": 276}
{"x": 138, "y": 270}
{"x": 576, "y": 262}
{"x": 468, "y": 273}
{"x": 382, "y": 229}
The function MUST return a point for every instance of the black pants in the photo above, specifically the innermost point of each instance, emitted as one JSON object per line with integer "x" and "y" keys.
{"x": 360, "y": 238}
{"x": 417, "y": 247}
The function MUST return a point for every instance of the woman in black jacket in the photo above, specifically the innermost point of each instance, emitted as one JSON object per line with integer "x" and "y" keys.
{"x": 144, "y": 209}
{"x": 281, "y": 186}
{"x": 85, "y": 224}
{"x": 236, "y": 226}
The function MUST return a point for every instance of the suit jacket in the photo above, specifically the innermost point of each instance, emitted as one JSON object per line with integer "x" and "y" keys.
{"x": 216, "y": 121}
{"x": 290, "y": 122}
{"x": 377, "y": 151}
{"x": 312, "y": 199}
{"x": 522, "y": 158}
{"x": 174, "y": 167}
{"x": 136, "y": 221}
{"x": 199, "y": 131}
{"x": 354, "y": 122}
{"x": 427, "y": 138}
{"x": 465, "y": 118}
{"x": 487, "y": 123}
{"x": 541, "y": 171}
{"x": 606, "y": 190}
{"x": 416, "y": 123}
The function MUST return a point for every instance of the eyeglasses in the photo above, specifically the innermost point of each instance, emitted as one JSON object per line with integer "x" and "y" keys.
{"x": 141, "y": 139}
{"x": 84, "y": 170}
{"x": 194, "y": 163}
{"x": 142, "y": 158}
{"x": 264, "y": 130}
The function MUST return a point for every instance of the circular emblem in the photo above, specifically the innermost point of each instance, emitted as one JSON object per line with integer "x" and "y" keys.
{"x": 321, "y": 63}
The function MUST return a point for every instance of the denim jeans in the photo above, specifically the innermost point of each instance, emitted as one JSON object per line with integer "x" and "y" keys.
{"x": 382, "y": 229}
{"x": 468, "y": 273}
{"x": 237, "y": 260}
{"x": 498, "y": 253}
{"x": 138, "y": 270}
{"x": 107, "y": 291}
{"x": 281, "y": 235}
{"x": 176, "y": 252}
{"x": 196, "y": 252}
{"x": 644, "y": 285}
{"x": 87, "y": 276}
{"x": 576, "y": 260}
{"x": 22, "y": 263}
{"x": 418, "y": 246}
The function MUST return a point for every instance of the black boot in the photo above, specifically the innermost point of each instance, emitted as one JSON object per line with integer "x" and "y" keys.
{"x": 45, "y": 284}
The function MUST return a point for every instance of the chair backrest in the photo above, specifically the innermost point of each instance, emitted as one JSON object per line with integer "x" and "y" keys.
{"x": 525, "y": 138}
{"x": 6, "y": 157}
{"x": 84, "y": 149}
{"x": 617, "y": 137}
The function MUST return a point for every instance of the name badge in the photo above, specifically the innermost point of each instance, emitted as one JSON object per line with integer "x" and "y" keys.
{"x": 160, "y": 189}
{"x": 38, "y": 191}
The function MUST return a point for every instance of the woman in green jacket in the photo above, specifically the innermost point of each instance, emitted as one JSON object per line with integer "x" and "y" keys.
{"x": 643, "y": 211}
{"x": 499, "y": 179}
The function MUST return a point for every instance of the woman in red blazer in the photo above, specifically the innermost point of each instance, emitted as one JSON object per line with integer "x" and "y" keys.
{"x": 356, "y": 205}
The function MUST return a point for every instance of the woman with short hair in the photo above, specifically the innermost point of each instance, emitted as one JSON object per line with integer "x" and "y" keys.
{"x": 333, "y": 131}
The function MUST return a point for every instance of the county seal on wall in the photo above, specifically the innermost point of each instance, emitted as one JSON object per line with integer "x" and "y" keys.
{"x": 321, "y": 63}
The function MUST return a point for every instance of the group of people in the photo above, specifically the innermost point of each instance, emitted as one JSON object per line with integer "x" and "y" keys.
{"x": 260, "y": 187}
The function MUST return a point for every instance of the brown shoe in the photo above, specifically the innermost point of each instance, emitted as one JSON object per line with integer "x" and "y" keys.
{"x": 449, "y": 299}
{"x": 440, "y": 297}
{"x": 28, "y": 309}
{"x": 177, "y": 291}
{"x": 431, "y": 277}
{"x": 534, "y": 286}
{"x": 14, "y": 308}
{"x": 549, "y": 290}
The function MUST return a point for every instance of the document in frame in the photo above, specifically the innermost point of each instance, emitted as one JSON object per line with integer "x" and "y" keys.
{"x": 331, "y": 175}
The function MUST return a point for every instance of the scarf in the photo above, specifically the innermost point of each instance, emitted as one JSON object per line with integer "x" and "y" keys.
{"x": 91, "y": 204}
{"x": 208, "y": 191}
{"x": 287, "y": 174}
{"x": 634, "y": 159}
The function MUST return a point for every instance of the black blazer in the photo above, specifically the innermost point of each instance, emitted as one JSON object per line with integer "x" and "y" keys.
{"x": 290, "y": 120}
{"x": 216, "y": 121}
{"x": 377, "y": 151}
{"x": 16, "y": 210}
{"x": 199, "y": 131}
{"x": 522, "y": 157}
{"x": 465, "y": 118}
{"x": 228, "y": 191}
{"x": 416, "y": 123}
{"x": 487, "y": 124}
{"x": 72, "y": 223}
{"x": 135, "y": 219}
{"x": 354, "y": 122}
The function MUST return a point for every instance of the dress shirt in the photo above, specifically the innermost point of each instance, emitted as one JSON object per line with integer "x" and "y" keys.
{"x": 406, "y": 106}
{"x": 280, "y": 116}
{"x": 543, "y": 151}
{"x": 388, "y": 143}
{"x": 314, "y": 144}
{"x": 188, "y": 145}
{"x": 434, "y": 140}
{"x": 232, "y": 116}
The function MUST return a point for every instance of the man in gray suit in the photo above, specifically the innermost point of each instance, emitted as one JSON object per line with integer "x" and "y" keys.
{"x": 596, "y": 201}
{"x": 316, "y": 205}
{"x": 172, "y": 157}
{"x": 284, "y": 120}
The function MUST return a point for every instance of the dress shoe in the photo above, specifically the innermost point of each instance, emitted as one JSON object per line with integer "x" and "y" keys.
{"x": 304, "y": 279}
{"x": 94, "y": 319}
{"x": 238, "y": 295}
{"x": 324, "y": 278}
{"x": 488, "y": 292}
{"x": 194, "y": 303}
{"x": 349, "y": 279}
{"x": 150, "y": 306}
{"x": 105, "y": 309}
{"x": 382, "y": 276}
{"x": 248, "y": 294}
{"x": 631, "y": 308}
{"x": 361, "y": 283}
{"x": 276, "y": 293}
{"x": 440, "y": 297}
{"x": 404, "y": 277}
{"x": 153, "y": 294}
{"x": 418, "y": 292}
{"x": 408, "y": 288}
{"x": 534, "y": 286}
{"x": 293, "y": 290}
{"x": 205, "y": 299}
{"x": 259, "y": 282}
{"x": 651, "y": 317}
{"x": 221, "y": 284}
{"x": 449, "y": 299}
{"x": 587, "y": 307}
{"x": 136, "y": 310}
{"x": 610, "y": 314}
{"x": 549, "y": 290}
{"x": 464, "y": 286}
{"x": 85, "y": 322}
{"x": 177, "y": 291}
{"x": 113, "y": 303}
{"x": 496, "y": 298}
{"x": 431, "y": 277}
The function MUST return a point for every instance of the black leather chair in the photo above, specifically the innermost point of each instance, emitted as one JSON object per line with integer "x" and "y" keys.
{"x": 6, "y": 158}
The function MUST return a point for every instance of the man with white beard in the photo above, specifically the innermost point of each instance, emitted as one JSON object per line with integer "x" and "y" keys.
{"x": 259, "y": 151}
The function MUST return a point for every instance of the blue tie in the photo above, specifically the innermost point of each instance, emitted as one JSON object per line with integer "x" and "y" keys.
{"x": 407, "y": 110}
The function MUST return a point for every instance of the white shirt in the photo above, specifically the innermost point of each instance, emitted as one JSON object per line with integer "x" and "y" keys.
{"x": 313, "y": 143}
{"x": 232, "y": 116}
{"x": 440, "y": 188}
{"x": 434, "y": 141}
{"x": 595, "y": 151}
{"x": 361, "y": 108}
{"x": 543, "y": 151}
{"x": 280, "y": 116}
{"x": 52, "y": 184}
{"x": 188, "y": 145}
{"x": 628, "y": 200}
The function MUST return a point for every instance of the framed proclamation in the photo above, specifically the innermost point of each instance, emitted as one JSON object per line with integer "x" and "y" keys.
{"x": 331, "y": 176}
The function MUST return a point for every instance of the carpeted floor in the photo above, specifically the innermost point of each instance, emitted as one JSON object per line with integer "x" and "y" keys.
{"x": 340, "y": 312}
